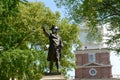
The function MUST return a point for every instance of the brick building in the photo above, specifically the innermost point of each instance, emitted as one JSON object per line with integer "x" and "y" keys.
{"x": 92, "y": 60}
{"x": 93, "y": 64}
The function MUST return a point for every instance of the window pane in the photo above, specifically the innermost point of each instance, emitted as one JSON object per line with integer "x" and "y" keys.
{"x": 91, "y": 57}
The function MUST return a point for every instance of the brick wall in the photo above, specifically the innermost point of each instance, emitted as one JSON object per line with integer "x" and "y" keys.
{"x": 81, "y": 59}
{"x": 103, "y": 58}
{"x": 102, "y": 72}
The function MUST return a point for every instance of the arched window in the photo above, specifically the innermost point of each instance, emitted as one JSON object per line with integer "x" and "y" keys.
{"x": 92, "y": 57}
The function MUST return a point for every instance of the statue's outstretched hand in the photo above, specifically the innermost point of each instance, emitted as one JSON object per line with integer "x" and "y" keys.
{"x": 45, "y": 32}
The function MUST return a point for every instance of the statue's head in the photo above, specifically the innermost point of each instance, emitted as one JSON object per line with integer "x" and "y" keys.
{"x": 54, "y": 29}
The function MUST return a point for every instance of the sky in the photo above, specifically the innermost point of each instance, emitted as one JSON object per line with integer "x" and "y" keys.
{"x": 115, "y": 59}
{"x": 51, "y": 5}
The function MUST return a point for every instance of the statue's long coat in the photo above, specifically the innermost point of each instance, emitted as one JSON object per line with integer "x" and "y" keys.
{"x": 54, "y": 52}
{"x": 55, "y": 46}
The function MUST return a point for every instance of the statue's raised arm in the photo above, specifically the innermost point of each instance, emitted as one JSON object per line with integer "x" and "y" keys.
{"x": 45, "y": 32}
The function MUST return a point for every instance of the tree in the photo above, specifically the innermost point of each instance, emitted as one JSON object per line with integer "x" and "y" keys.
{"x": 25, "y": 44}
{"x": 8, "y": 11}
{"x": 21, "y": 64}
{"x": 96, "y": 12}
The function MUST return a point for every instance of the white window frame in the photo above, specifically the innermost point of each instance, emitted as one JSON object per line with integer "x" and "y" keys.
{"x": 92, "y": 57}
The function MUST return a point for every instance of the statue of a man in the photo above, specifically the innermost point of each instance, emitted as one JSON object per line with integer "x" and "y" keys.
{"x": 55, "y": 46}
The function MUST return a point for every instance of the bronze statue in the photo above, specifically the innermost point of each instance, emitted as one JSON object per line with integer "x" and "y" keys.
{"x": 55, "y": 46}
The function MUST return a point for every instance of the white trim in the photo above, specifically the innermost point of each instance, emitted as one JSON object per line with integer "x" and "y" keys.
{"x": 93, "y": 66}
{"x": 94, "y": 63}
{"x": 86, "y": 51}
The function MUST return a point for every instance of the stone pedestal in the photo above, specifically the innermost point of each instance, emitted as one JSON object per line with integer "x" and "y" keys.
{"x": 53, "y": 77}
